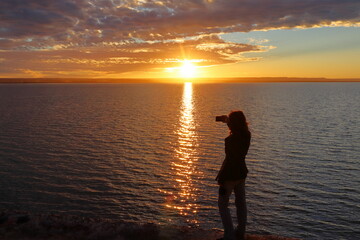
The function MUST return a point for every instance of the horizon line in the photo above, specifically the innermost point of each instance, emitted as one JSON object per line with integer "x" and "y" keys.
{"x": 173, "y": 80}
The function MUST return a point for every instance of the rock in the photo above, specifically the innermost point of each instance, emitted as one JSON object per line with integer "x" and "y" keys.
{"x": 23, "y": 219}
{"x": 59, "y": 227}
{"x": 3, "y": 219}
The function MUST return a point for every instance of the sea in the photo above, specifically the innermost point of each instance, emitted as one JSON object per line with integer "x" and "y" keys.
{"x": 150, "y": 153}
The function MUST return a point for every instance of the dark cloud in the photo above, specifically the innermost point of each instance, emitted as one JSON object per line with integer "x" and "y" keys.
{"x": 38, "y": 18}
{"x": 144, "y": 33}
{"x": 167, "y": 19}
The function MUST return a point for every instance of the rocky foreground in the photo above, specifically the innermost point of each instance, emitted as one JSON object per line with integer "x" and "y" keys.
{"x": 24, "y": 226}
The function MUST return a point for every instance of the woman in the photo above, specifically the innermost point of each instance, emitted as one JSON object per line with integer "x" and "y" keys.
{"x": 232, "y": 175}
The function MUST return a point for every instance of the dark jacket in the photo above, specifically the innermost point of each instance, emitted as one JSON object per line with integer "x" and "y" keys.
{"x": 234, "y": 166}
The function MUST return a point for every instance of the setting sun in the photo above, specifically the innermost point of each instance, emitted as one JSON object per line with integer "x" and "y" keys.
{"x": 188, "y": 69}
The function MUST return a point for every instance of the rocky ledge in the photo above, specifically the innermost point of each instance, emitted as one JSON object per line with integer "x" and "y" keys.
{"x": 25, "y": 226}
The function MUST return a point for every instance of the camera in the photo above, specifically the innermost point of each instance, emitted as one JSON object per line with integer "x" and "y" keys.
{"x": 222, "y": 118}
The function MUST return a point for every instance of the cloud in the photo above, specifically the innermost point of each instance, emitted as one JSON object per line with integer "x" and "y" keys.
{"x": 135, "y": 34}
{"x": 140, "y": 56}
{"x": 35, "y": 74}
{"x": 165, "y": 19}
{"x": 22, "y": 18}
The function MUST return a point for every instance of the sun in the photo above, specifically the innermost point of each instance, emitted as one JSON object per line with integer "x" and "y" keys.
{"x": 187, "y": 69}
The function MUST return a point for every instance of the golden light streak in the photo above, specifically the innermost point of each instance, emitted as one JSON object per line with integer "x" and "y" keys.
{"x": 184, "y": 165}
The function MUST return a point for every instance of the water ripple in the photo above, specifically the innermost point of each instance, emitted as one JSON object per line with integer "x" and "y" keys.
{"x": 150, "y": 152}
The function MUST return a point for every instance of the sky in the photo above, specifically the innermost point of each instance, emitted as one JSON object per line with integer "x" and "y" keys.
{"x": 172, "y": 38}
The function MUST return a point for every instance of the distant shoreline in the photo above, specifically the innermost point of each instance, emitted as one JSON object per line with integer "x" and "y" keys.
{"x": 173, "y": 80}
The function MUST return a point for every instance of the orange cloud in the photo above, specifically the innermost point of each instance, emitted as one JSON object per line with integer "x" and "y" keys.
{"x": 120, "y": 36}
{"x": 133, "y": 56}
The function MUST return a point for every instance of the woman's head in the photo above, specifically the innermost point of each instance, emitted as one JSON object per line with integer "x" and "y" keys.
{"x": 237, "y": 122}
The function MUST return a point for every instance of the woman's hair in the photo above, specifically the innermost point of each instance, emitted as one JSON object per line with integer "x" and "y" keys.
{"x": 237, "y": 122}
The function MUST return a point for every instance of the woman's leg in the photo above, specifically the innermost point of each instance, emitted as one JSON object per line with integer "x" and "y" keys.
{"x": 241, "y": 209}
{"x": 223, "y": 203}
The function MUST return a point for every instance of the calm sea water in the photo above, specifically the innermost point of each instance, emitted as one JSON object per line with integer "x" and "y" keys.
{"x": 150, "y": 153}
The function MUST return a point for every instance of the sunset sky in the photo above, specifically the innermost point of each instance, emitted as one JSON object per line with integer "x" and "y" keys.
{"x": 173, "y": 38}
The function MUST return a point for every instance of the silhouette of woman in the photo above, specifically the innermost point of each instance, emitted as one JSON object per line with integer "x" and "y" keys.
{"x": 232, "y": 175}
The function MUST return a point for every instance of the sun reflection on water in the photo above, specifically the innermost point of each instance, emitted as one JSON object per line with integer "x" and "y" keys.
{"x": 183, "y": 166}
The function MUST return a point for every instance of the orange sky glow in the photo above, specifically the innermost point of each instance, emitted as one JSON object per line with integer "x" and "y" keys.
{"x": 179, "y": 39}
